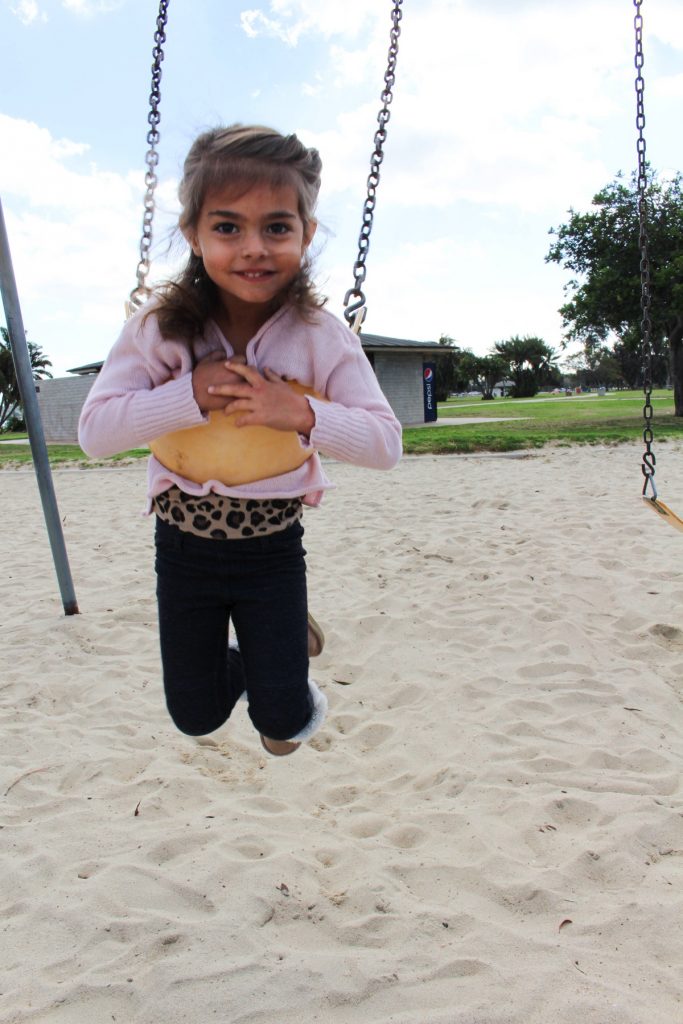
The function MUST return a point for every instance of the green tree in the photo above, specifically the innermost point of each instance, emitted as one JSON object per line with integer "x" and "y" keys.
{"x": 601, "y": 368}
{"x": 449, "y": 376}
{"x": 601, "y": 249}
{"x": 529, "y": 363}
{"x": 484, "y": 372}
{"x": 10, "y": 399}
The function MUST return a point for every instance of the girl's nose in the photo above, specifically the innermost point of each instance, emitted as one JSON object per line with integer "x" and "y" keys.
{"x": 253, "y": 244}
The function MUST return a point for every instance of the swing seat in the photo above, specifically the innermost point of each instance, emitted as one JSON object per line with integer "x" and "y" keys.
{"x": 218, "y": 450}
{"x": 665, "y": 512}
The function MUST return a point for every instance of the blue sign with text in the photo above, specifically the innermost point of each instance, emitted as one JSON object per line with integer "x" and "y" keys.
{"x": 429, "y": 391}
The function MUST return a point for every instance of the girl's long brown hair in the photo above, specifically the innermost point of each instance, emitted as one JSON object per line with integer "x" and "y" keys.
{"x": 239, "y": 155}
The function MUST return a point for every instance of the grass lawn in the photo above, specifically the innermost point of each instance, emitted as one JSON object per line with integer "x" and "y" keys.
{"x": 546, "y": 419}
{"x": 13, "y": 455}
{"x": 528, "y": 423}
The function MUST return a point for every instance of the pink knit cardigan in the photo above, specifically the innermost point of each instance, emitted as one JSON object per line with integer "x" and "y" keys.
{"x": 144, "y": 390}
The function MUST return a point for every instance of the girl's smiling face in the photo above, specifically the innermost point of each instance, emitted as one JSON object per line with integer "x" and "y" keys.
{"x": 251, "y": 243}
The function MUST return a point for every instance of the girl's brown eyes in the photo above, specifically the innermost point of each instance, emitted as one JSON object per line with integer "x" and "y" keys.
{"x": 232, "y": 229}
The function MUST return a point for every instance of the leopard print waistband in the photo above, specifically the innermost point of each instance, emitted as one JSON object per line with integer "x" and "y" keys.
{"x": 218, "y": 517}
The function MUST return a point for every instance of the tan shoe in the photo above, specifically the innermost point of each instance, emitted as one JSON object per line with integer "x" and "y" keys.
{"x": 316, "y": 638}
{"x": 278, "y": 748}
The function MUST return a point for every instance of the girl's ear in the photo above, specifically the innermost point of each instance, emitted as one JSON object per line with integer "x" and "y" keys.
{"x": 190, "y": 237}
{"x": 310, "y": 228}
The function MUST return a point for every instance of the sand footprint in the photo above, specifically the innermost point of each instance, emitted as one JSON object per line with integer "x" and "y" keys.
{"x": 573, "y": 813}
{"x": 342, "y": 796}
{"x": 406, "y": 837}
{"x": 253, "y": 849}
{"x": 462, "y": 967}
{"x": 374, "y": 735}
{"x": 451, "y": 782}
{"x": 668, "y": 636}
{"x": 346, "y": 723}
{"x": 366, "y": 826}
{"x": 404, "y": 696}
{"x": 265, "y": 804}
{"x": 125, "y": 886}
{"x": 372, "y": 930}
{"x": 172, "y": 849}
{"x": 328, "y": 856}
{"x": 321, "y": 742}
{"x": 549, "y": 670}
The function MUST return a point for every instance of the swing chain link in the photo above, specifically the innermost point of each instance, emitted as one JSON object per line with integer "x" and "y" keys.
{"x": 354, "y": 300}
{"x": 141, "y": 292}
{"x": 649, "y": 460}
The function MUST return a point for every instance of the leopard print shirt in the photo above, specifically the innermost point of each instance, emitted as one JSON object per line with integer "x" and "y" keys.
{"x": 218, "y": 517}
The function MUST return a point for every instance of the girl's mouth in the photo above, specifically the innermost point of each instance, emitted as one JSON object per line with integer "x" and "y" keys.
{"x": 255, "y": 275}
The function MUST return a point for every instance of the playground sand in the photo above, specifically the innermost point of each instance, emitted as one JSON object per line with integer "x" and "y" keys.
{"x": 488, "y": 830}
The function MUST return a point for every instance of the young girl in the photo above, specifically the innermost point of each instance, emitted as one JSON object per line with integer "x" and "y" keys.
{"x": 238, "y": 322}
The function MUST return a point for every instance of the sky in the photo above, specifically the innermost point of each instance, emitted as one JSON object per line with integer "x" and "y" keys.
{"x": 506, "y": 114}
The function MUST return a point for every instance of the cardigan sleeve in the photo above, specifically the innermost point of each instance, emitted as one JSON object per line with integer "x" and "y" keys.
{"x": 356, "y": 424}
{"x": 143, "y": 390}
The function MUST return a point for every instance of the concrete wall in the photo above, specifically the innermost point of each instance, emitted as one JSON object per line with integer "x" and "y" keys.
{"x": 400, "y": 378}
{"x": 60, "y": 402}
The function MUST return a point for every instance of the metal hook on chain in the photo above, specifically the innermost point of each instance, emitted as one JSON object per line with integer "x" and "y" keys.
{"x": 356, "y": 310}
{"x": 648, "y": 469}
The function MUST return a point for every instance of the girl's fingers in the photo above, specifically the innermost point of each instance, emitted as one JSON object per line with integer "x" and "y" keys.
{"x": 230, "y": 390}
{"x": 247, "y": 418}
{"x": 249, "y": 373}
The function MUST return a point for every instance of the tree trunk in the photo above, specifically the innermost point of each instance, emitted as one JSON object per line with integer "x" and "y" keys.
{"x": 7, "y": 411}
{"x": 676, "y": 349}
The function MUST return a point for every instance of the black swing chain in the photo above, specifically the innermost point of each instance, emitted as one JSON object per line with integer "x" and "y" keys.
{"x": 141, "y": 292}
{"x": 649, "y": 460}
{"x": 354, "y": 300}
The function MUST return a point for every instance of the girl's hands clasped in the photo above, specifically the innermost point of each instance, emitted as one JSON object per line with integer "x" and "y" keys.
{"x": 210, "y": 371}
{"x": 264, "y": 400}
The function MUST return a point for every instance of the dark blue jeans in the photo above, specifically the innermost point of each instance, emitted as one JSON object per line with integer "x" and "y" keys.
{"x": 260, "y": 584}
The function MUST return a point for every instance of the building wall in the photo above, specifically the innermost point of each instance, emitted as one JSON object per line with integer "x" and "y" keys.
{"x": 60, "y": 402}
{"x": 400, "y": 378}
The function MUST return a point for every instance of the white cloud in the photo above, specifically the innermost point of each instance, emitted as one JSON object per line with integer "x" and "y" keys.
{"x": 314, "y": 88}
{"x": 664, "y": 21}
{"x": 74, "y": 234}
{"x": 255, "y": 23}
{"x": 289, "y": 20}
{"x": 508, "y": 108}
{"x": 28, "y": 12}
{"x": 91, "y": 8}
{"x": 670, "y": 88}
{"x": 450, "y": 285}
{"x": 41, "y": 173}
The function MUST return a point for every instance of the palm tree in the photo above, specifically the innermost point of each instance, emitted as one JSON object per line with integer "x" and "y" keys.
{"x": 532, "y": 364}
{"x": 10, "y": 399}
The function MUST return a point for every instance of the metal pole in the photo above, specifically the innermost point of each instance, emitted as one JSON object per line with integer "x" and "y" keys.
{"x": 27, "y": 390}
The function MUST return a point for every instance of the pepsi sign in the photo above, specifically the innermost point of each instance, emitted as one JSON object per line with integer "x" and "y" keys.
{"x": 429, "y": 391}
